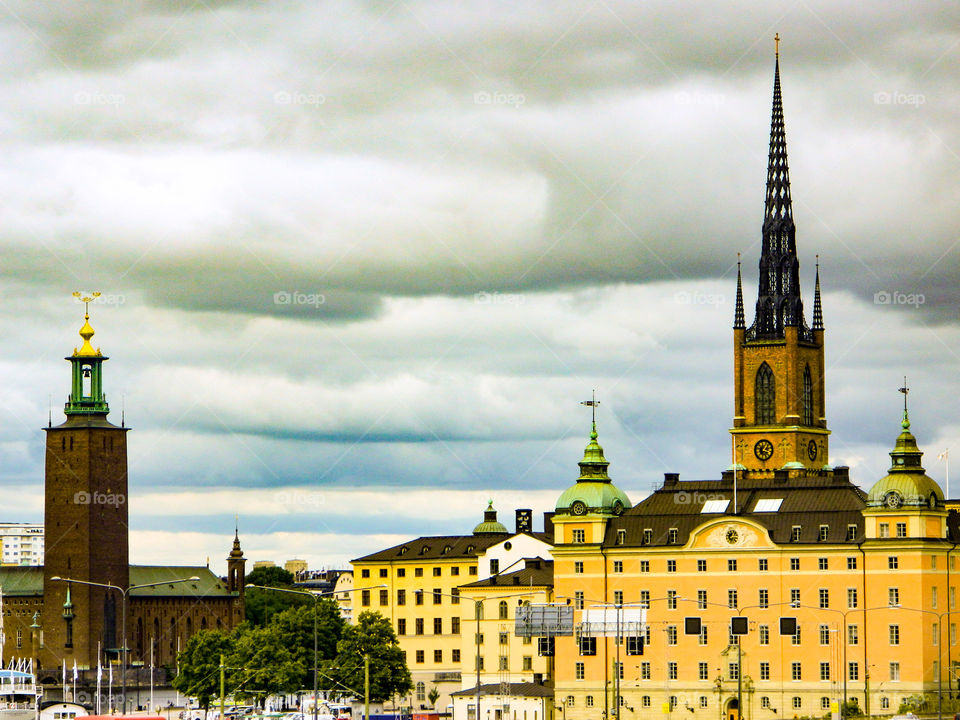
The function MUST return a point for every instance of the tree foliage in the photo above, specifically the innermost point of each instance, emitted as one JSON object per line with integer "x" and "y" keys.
{"x": 262, "y": 665}
{"x": 199, "y": 665}
{"x": 262, "y": 605}
{"x": 295, "y": 629}
{"x": 373, "y": 637}
{"x": 270, "y": 577}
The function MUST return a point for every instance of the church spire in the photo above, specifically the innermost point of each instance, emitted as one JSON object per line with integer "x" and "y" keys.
{"x": 738, "y": 321}
{"x": 817, "y": 309}
{"x": 778, "y": 298}
{"x": 86, "y": 388}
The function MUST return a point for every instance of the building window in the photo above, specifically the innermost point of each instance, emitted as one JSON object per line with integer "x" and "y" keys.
{"x": 644, "y": 566}
{"x": 19, "y": 638}
{"x": 764, "y": 671}
{"x": 894, "y": 671}
{"x": 851, "y": 597}
{"x": 401, "y": 572}
{"x": 401, "y": 597}
{"x": 797, "y": 702}
{"x": 504, "y": 663}
{"x": 795, "y": 534}
{"x": 807, "y": 397}
{"x": 852, "y": 563}
{"x": 645, "y": 701}
{"x": 503, "y": 610}
{"x": 703, "y": 701}
{"x": 795, "y": 596}
{"x": 824, "y": 533}
{"x": 794, "y": 563}
{"x": 495, "y": 563}
{"x": 647, "y": 536}
{"x": 579, "y": 670}
{"x": 621, "y": 537}
{"x": 764, "y": 634}
{"x": 645, "y": 598}
{"x": 701, "y": 565}
{"x": 953, "y": 637}
{"x": 933, "y": 562}
{"x": 671, "y": 670}
{"x": 421, "y": 692}
{"x": 673, "y": 535}
{"x": 894, "y": 633}
{"x": 795, "y": 638}
{"x": 527, "y": 663}
{"x": 703, "y": 634}
{"x": 762, "y": 563}
{"x": 901, "y": 529}
{"x": 764, "y": 599}
{"x": 892, "y": 562}
{"x": 365, "y": 573}
{"x": 438, "y": 626}
{"x": 437, "y": 572}
{"x": 703, "y": 671}
{"x": 455, "y": 625}
{"x": 438, "y": 656}
{"x": 578, "y": 600}
{"x": 570, "y": 701}
{"x": 764, "y": 702}
{"x": 701, "y": 599}
{"x": 884, "y": 703}
{"x": 884, "y": 530}
{"x": 765, "y": 395}
{"x": 731, "y": 598}
{"x": 588, "y": 701}
{"x": 383, "y": 572}
{"x": 420, "y": 656}
{"x": 455, "y": 655}
{"x": 418, "y": 597}
{"x": 731, "y": 565}
{"x": 418, "y": 626}
{"x": 401, "y": 626}
{"x": 645, "y": 671}
{"x": 824, "y": 634}
{"x": 578, "y": 536}
{"x": 824, "y": 598}
{"x": 578, "y": 567}
{"x": 893, "y": 596}
{"x": 504, "y": 638}
{"x": 365, "y": 598}
{"x": 851, "y": 532}
{"x": 936, "y": 636}
{"x": 733, "y": 671}
{"x": 671, "y": 635}
{"x": 618, "y": 597}
{"x": 853, "y": 635}
{"x": 455, "y": 570}
{"x": 588, "y": 646}
{"x": 384, "y": 598}
{"x": 795, "y": 671}
{"x": 671, "y": 566}
{"x": 473, "y": 570}
{"x": 825, "y": 671}
{"x": 418, "y": 572}
{"x": 671, "y": 599}
{"x": 618, "y": 566}
{"x": 824, "y": 701}
{"x": 934, "y": 596}
{"x": 823, "y": 563}
{"x": 853, "y": 671}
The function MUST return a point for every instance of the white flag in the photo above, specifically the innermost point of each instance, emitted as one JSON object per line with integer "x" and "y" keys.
{"x": 74, "y": 670}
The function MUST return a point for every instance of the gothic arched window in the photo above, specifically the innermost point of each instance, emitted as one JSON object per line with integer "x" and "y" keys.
{"x": 503, "y": 609}
{"x": 766, "y": 396}
{"x": 807, "y": 397}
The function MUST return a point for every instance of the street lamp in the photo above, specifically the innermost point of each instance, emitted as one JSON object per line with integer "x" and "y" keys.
{"x": 896, "y": 606}
{"x": 316, "y": 596}
{"x": 124, "y": 594}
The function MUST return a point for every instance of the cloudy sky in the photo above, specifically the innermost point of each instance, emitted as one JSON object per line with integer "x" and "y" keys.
{"x": 361, "y": 261}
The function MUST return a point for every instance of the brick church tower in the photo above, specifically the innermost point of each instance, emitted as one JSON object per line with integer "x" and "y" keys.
{"x": 85, "y": 519}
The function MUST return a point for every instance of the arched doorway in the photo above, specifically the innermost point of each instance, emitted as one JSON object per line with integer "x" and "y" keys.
{"x": 732, "y": 711}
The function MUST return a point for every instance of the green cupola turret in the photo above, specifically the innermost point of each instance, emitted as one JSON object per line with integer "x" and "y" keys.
{"x": 86, "y": 387}
{"x": 594, "y": 491}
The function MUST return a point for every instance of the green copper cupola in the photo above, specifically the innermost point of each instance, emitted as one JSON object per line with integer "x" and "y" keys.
{"x": 594, "y": 491}
{"x": 86, "y": 371}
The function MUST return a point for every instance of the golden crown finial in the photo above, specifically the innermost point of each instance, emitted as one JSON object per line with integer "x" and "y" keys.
{"x": 86, "y": 332}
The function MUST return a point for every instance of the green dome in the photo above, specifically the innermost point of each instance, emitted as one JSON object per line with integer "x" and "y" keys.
{"x": 907, "y": 484}
{"x": 594, "y": 491}
{"x": 489, "y": 524}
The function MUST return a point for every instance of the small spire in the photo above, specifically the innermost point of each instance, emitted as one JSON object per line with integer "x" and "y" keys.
{"x": 817, "y": 309}
{"x": 592, "y": 404}
{"x": 739, "y": 322}
{"x": 86, "y": 332}
{"x": 906, "y": 418}
{"x": 776, "y": 44}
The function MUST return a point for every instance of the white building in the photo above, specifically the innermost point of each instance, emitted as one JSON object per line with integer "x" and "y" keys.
{"x": 22, "y": 543}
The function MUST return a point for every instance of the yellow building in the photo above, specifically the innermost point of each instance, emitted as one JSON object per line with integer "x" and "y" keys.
{"x": 422, "y": 598}
{"x": 780, "y": 589}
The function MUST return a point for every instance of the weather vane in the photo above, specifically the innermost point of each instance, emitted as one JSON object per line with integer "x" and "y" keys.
{"x": 86, "y": 300}
{"x": 904, "y": 390}
{"x": 592, "y": 404}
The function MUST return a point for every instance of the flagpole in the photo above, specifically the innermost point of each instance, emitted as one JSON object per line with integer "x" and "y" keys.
{"x": 945, "y": 456}
{"x": 151, "y": 675}
{"x": 99, "y": 676}
{"x": 110, "y": 686}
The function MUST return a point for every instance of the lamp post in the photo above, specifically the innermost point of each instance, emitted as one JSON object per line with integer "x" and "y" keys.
{"x": 316, "y": 596}
{"x": 124, "y": 595}
{"x": 939, "y": 617}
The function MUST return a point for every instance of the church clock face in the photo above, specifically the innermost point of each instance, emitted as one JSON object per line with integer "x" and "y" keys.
{"x": 812, "y": 449}
{"x": 732, "y": 536}
{"x": 763, "y": 449}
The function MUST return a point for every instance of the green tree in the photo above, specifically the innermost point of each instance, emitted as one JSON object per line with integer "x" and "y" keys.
{"x": 262, "y": 665}
{"x": 199, "y": 665}
{"x": 372, "y": 636}
{"x": 295, "y": 628}
{"x": 261, "y": 605}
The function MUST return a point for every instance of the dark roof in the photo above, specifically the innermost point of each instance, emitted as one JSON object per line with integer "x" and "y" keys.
{"x": 536, "y": 572}
{"x": 28, "y": 581}
{"x": 808, "y": 502}
{"x": 443, "y": 547}
{"x": 523, "y": 689}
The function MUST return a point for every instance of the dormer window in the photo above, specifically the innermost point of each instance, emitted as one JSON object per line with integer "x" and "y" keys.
{"x": 647, "y": 536}
{"x": 673, "y": 535}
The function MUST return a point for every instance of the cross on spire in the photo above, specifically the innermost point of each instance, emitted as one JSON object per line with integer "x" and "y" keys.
{"x": 905, "y": 390}
{"x": 592, "y": 404}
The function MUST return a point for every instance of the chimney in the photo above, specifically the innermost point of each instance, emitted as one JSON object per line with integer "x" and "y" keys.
{"x": 841, "y": 472}
{"x": 671, "y": 479}
{"x": 524, "y": 521}
{"x": 548, "y": 526}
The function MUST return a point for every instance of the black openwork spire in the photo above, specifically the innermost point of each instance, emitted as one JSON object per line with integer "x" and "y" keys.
{"x": 817, "y": 310}
{"x": 778, "y": 297}
{"x": 738, "y": 320}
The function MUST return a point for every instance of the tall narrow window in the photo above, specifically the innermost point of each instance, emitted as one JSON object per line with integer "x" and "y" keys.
{"x": 807, "y": 397}
{"x": 765, "y": 396}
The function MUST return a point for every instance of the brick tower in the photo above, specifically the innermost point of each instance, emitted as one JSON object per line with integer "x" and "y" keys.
{"x": 85, "y": 520}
